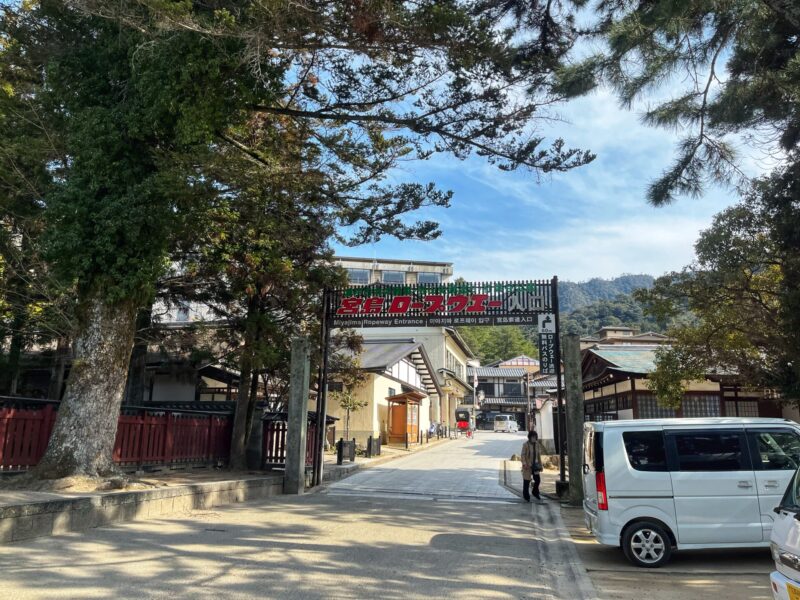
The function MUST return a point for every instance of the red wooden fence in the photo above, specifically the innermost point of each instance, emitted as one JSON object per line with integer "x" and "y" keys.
{"x": 148, "y": 438}
{"x": 24, "y": 433}
{"x": 274, "y": 443}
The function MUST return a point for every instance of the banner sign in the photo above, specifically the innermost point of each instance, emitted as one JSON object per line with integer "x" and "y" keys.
{"x": 547, "y": 353}
{"x": 430, "y": 305}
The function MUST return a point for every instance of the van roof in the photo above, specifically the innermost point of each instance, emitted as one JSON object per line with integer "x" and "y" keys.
{"x": 689, "y": 421}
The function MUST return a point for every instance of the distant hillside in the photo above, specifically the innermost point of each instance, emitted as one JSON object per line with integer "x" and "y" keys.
{"x": 622, "y": 310}
{"x": 572, "y": 296}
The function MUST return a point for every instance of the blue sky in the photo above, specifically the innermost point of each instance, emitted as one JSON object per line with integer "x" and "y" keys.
{"x": 590, "y": 222}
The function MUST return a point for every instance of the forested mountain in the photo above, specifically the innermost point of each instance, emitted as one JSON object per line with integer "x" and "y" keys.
{"x": 622, "y": 310}
{"x": 572, "y": 296}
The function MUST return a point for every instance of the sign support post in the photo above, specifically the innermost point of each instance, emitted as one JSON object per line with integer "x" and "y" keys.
{"x": 559, "y": 404}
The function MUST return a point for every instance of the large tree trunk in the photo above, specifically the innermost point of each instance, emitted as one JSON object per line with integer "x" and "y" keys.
{"x": 83, "y": 438}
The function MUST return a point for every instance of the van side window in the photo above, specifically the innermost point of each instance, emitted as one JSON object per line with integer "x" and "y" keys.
{"x": 709, "y": 451}
{"x": 776, "y": 450}
{"x": 645, "y": 450}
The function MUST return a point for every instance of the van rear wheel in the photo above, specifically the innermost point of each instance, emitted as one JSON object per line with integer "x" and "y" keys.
{"x": 646, "y": 544}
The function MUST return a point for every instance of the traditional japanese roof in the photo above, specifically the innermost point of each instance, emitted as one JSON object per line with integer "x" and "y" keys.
{"x": 505, "y": 401}
{"x": 630, "y": 359}
{"x": 496, "y": 372}
{"x": 521, "y": 359}
{"x": 379, "y": 356}
{"x": 602, "y": 363}
{"x": 545, "y": 383}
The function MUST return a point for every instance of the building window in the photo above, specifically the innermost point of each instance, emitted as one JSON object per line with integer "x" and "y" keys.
{"x": 452, "y": 364}
{"x": 487, "y": 388}
{"x": 335, "y": 386}
{"x": 392, "y": 392}
{"x": 649, "y": 409}
{"x": 393, "y": 277}
{"x": 741, "y": 408}
{"x": 358, "y": 276}
{"x": 426, "y": 277}
{"x": 512, "y": 388}
{"x": 701, "y": 406}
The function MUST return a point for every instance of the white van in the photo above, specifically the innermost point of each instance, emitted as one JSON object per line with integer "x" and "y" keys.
{"x": 506, "y": 423}
{"x": 785, "y": 544}
{"x": 654, "y": 485}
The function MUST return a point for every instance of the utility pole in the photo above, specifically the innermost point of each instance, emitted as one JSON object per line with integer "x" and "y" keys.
{"x": 573, "y": 382}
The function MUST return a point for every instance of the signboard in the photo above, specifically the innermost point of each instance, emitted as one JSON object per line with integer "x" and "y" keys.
{"x": 547, "y": 353}
{"x": 431, "y": 305}
{"x": 547, "y": 344}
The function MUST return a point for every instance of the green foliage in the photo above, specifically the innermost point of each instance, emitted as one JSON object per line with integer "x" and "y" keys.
{"x": 498, "y": 343}
{"x": 624, "y": 310}
{"x": 572, "y": 296}
{"x": 729, "y": 66}
{"x": 742, "y": 291}
{"x": 349, "y": 404}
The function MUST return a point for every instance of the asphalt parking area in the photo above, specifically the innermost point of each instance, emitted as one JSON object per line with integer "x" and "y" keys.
{"x": 690, "y": 575}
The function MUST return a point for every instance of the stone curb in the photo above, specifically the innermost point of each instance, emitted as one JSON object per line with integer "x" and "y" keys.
{"x": 55, "y": 517}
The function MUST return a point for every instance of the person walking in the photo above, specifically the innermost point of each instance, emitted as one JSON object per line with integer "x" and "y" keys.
{"x": 531, "y": 467}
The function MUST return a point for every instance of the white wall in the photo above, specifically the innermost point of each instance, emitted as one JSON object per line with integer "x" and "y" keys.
{"x": 544, "y": 425}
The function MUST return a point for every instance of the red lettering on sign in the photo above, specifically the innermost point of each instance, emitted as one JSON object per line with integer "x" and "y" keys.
{"x": 400, "y": 304}
{"x": 478, "y": 303}
{"x": 349, "y": 306}
{"x": 435, "y": 303}
{"x": 373, "y": 305}
{"x": 457, "y": 303}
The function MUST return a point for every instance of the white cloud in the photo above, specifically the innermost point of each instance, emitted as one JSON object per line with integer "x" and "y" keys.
{"x": 580, "y": 250}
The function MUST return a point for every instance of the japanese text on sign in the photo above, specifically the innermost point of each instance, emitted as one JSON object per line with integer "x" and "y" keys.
{"x": 514, "y": 303}
{"x": 547, "y": 353}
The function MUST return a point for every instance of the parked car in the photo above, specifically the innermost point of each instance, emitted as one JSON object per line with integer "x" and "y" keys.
{"x": 506, "y": 423}
{"x": 785, "y": 544}
{"x": 652, "y": 486}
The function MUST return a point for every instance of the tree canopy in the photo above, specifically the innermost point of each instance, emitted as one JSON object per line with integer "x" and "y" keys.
{"x": 177, "y": 143}
{"x": 498, "y": 343}
{"x": 742, "y": 291}
{"x": 714, "y": 71}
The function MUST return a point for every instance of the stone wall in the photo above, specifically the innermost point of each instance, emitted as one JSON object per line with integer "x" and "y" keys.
{"x": 53, "y": 517}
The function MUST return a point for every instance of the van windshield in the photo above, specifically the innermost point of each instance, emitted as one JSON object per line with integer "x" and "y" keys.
{"x": 791, "y": 499}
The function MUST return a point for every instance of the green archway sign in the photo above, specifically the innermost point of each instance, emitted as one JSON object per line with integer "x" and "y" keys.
{"x": 533, "y": 302}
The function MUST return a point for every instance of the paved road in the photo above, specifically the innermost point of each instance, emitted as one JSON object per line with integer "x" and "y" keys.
{"x": 690, "y": 575}
{"x": 352, "y": 542}
{"x": 463, "y": 469}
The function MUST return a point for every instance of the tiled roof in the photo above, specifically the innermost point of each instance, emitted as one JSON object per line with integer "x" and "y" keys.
{"x": 496, "y": 372}
{"x": 544, "y": 383}
{"x": 512, "y": 401}
{"x": 631, "y": 359}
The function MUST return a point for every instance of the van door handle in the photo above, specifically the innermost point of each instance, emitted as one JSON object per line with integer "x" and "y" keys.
{"x": 771, "y": 484}
{"x": 745, "y": 484}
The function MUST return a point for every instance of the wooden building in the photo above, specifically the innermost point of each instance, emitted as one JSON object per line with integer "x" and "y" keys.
{"x": 615, "y": 386}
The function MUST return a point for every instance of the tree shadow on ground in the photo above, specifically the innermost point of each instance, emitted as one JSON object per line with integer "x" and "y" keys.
{"x": 315, "y": 546}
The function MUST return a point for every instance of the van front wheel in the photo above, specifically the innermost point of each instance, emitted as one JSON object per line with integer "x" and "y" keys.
{"x": 646, "y": 544}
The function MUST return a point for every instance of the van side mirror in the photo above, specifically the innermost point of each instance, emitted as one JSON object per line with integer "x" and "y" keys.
{"x": 777, "y": 510}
